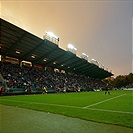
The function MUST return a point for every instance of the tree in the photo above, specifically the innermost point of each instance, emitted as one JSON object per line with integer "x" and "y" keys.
{"x": 122, "y": 81}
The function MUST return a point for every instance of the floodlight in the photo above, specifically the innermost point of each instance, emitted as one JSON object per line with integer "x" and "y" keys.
{"x": 70, "y": 46}
{"x": 84, "y": 56}
{"x": 95, "y": 62}
{"x": 51, "y": 34}
{"x": 74, "y": 48}
{"x": 93, "y": 59}
{"x": 51, "y": 37}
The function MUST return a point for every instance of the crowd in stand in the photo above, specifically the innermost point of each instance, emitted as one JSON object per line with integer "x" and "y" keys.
{"x": 36, "y": 79}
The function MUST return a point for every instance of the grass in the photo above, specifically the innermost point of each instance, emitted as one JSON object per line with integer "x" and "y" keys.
{"x": 116, "y": 108}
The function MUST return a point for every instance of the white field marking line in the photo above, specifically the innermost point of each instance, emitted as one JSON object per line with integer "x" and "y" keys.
{"x": 58, "y": 105}
{"x": 103, "y": 101}
{"x": 105, "y": 110}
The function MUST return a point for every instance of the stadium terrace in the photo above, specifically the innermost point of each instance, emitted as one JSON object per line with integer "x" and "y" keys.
{"x": 31, "y": 63}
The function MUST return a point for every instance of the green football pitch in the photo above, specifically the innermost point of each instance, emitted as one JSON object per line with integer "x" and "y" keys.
{"x": 114, "y": 109}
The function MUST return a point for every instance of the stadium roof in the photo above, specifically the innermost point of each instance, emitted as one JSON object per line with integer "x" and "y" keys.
{"x": 45, "y": 52}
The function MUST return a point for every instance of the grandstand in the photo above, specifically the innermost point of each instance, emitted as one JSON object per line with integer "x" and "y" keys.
{"x": 28, "y": 61}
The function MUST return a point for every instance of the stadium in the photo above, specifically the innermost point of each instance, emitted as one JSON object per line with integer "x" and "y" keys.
{"x": 38, "y": 77}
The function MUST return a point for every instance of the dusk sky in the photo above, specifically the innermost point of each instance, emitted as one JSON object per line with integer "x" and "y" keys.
{"x": 103, "y": 30}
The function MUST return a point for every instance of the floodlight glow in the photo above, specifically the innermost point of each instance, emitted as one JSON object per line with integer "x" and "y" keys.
{"x": 74, "y": 48}
{"x": 70, "y": 46}
{"x": 93, "y": 60}
{"x": 51, "y": 34}
{"x": 85, "y": 54}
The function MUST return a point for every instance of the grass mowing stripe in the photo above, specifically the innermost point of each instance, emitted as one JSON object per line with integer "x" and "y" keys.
{"x": 58, "y": 105}
{"x": 103, "y": 101}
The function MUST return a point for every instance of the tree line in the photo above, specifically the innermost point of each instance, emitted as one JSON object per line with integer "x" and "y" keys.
{"x": 121, "y": 81}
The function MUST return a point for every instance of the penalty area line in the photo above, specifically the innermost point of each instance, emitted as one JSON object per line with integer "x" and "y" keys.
{"x": 111, "y": 111}
{"x": 103, "y": 101}
{"x": 67, "y": 106}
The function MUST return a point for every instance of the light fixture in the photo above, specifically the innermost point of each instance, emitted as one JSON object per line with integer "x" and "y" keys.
{"x": 17, "y": 52}
{"x": 51, "y": 34}
{"x": 33, "y": 56}
{"x": 84, "y": 56}
{"x": 95, "y": 62}
{"x": 51, "y": 37}
{"x": 71, "y": 48}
